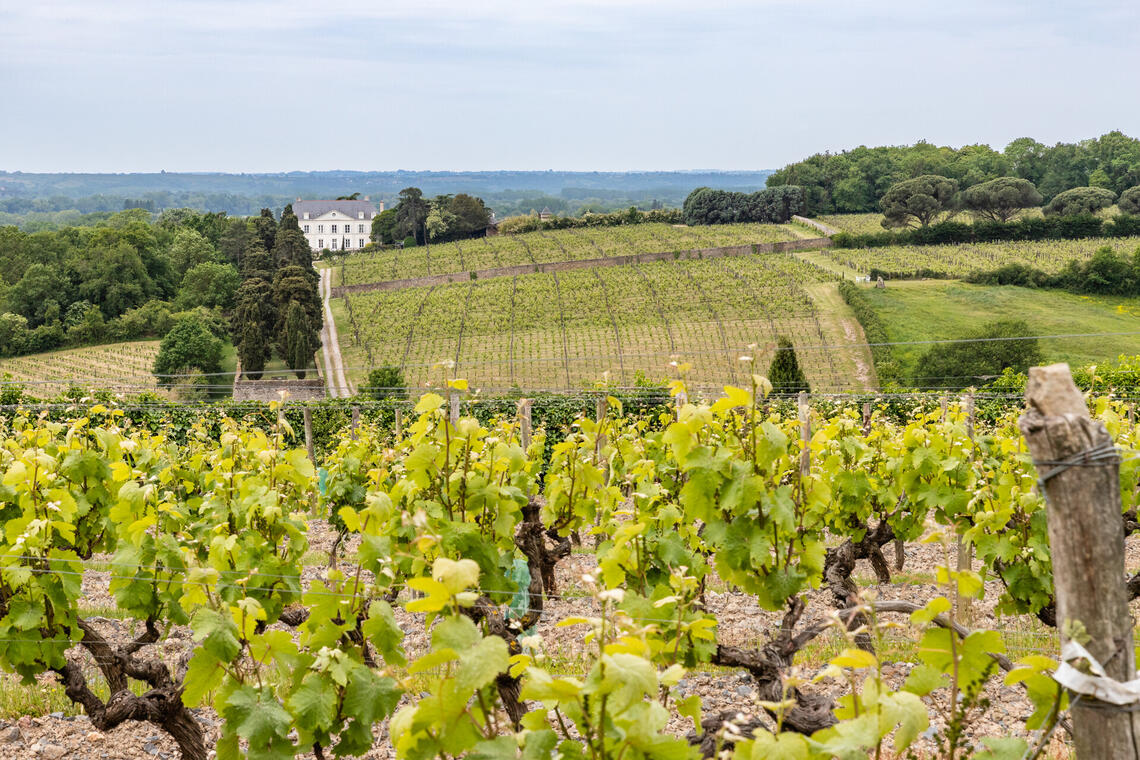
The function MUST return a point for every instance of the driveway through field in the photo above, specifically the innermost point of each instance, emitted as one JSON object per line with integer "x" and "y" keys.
{"x": 338, "y": 386}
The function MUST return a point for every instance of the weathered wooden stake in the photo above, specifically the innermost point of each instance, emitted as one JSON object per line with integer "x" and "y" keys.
{"x": 866, "y": 418}
{"x": 965, "y": 551}
{"x": 454, "y": 411}
{"x": 399, "y": 423}
{"x": 355, "y": 420}
{"x": 942, "y": 402}
{"x": 805, "y": 435}
{"x": 524, "y": 423}
{"x": 1086, "y": 539}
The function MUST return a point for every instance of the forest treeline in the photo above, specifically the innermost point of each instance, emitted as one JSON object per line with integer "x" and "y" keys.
{"x": 854, "y": 181}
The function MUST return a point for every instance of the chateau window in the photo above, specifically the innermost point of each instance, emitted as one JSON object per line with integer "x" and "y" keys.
{"x": 320, "y": 228}
{"x": 321, "y": 243}
{"x": 306, "y": 228}
{"x": 334, "y": 228}
{"x": 361, "y": 228}
{"x": 361, "y": 242}
{"x": 332, "y": 245}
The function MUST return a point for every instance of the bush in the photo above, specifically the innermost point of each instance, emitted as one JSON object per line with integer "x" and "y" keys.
{"x": 1129, "y": 201}
{"x": 982, "y": 356}
{"x": 774, "y": 205}
{"x": 385, "y": 382}
{"x": 188, "y": 346}
{"x": 1080, "y": 200}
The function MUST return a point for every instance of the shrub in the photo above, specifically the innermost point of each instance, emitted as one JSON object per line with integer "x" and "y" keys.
{"x": 981, "y": 356}
{"x": 385, "y": 382}
{"x": 784, "y": 373}
{"x": 1080, "y": 200}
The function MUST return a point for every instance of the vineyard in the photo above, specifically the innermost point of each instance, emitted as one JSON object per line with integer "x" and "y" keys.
{"x": 119, "y": 367}
{"x": 955, "y": 261}
{"x": 576, "y": 328}
{"x": 549, "y": 247}
{"x": 713, "y": 579}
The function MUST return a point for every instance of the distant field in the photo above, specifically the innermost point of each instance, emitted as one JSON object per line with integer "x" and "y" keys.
{"x": 964, "y": 259}
{"x": 576, "y": 328}
{"x": 938, "y": 310}
{"x": 546, "y": 247}
{"x": 121, "y": 367}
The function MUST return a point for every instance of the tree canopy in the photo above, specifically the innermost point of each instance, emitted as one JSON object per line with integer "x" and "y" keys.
{"x": 1080, "y": 200}
{"x": 1001, "y": 199}
{"x": 918, "y": 201}
{"x": 1129, "y": 201}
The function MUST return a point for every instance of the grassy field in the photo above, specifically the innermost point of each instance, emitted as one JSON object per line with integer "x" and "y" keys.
{"x": 939, "y": 310}
{"x": 551, "y": 246}
{"x": 119, "y": 367}
{"x": 577, "y": 328}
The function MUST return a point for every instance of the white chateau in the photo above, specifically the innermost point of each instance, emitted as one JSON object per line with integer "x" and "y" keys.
{"x": 336, "y": 225}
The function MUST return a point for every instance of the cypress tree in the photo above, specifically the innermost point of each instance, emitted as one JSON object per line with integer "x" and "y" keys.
{"x": 299, "y": 344}
{"x": 784, "y": 373}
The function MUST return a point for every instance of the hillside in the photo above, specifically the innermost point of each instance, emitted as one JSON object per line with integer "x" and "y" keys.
{"x": 549, "y": 247}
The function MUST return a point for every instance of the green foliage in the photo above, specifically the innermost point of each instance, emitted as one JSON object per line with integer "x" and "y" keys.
{"x": 984, "y": 354}
{"x": 784, "y": 372}
{"x": 776, "y": 204}
{"x": 385, "y": 382}
{"x": 1001, "y": 199}
{"x": 209, "y": 284}
{"x": 1129, "y": 201}
{"x": 919, "y": 201}
{"x": 189, "y": 345}
{"x": 1080, "y": 200}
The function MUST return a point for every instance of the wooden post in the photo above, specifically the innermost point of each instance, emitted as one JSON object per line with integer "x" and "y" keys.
{"x": 963, "y": 604}
{"x": 307, "y": 416}
{"x": 355, "y": 420}
{"x": 805, "y": 435}
{"x": 1087, "y": 546}
{"x": 1131, "y": 415}
{"x": 944, "y": 404}
{"x": 399, "y": 423}
{"x": 866, "y": 418}
{"x": 454, "y": 411}
{"x": 524, "y": 423}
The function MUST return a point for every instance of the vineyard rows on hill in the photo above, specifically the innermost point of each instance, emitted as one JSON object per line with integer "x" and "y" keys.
{"x": 124, "y": 367}
{"x": 548, "y": 247}
{"x": 960, "y": 260}
{"x": 441, "y": 632}
{"x": 576, "y": 328}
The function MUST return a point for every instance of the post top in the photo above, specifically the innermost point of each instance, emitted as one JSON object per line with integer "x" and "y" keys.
{"x": 1052, "y": 392}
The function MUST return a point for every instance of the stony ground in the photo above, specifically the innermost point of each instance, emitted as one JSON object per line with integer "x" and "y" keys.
{"x": 741, "y": 623}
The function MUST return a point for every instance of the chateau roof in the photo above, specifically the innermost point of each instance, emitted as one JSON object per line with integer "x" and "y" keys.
{"x": 319, "y": 208}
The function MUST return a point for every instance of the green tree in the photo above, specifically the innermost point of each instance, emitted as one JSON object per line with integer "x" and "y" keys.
{"x": 296, "y": 285}
{"x": 918, "y": 201}
{"x": 384, "y": 227}
{"x": 291, "y": 247}
{"x": 411, "y": 214}
{"x": 209, "y": 284}
{"x": 299, "y": 340}
{"x": 1080, "y": 200}
{"x": 188, "y": 346}
{"x": 1001, "y": 199}
{"x": 253, "y": 325}
{"x": 1129, "y": 201}
{"x": 471, "y": 214}
{"x": 980, "y": 356}
{"x": 235, "y": 240}
{"x": 257, "y": 263}
{"x": 265, "y": 228}
{"x": 190, "y": 249}
{"x": 41, "y": 293}
{"x": 784, "y": 372}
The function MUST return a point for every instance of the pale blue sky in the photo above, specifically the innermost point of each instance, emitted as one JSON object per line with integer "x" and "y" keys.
{"x": 268, "y": 85}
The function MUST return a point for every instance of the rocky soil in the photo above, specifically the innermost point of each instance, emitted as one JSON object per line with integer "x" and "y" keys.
{"x": 741, "y": 623}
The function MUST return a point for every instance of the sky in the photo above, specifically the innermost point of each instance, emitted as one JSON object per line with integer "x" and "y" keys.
{"x": 606, "y": 85}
